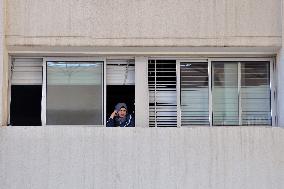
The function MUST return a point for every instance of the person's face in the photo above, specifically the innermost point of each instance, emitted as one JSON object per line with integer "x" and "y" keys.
{"x": 122, "y": 112}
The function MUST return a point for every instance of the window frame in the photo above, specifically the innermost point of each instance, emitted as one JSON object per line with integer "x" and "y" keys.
{"x": 72, "y": 59}
{"x": 45, "y": 59}
{"x": 272, "y": 78}
{"x": 178, "y": 64}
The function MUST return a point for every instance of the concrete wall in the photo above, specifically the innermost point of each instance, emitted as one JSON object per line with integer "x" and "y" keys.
{"x": 144, "y": 23}
{"x": 141, "y": 92}
{"x": 2, "y": 36}
{"x": 280, "y": 87}
{"x": 3, "y": 65}
{"x": 87, "y": 157}
{"x": 280, "y": 78}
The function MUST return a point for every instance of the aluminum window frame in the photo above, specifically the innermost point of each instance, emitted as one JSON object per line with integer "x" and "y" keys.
{"x": 10, "y": 74}
{"x": 73, "y": 59}
{"x": 114, "y": 60}
{"x": 178, "y": 62}
{"x": 272, "y": 71}
{"x": 210, "y": 60}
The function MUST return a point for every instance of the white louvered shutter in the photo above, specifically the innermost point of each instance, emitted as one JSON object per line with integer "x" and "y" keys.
{"x": 27, "y": 71}
{"x": 162, "y": 93}
{"x": 120, "y": 72}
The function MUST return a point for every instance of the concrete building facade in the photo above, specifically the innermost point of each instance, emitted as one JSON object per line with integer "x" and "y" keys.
{"x": 226, "y": 128}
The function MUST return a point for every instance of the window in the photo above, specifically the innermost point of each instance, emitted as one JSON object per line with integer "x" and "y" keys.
{"x": 241, "y": 93}
{"x": 210, "y": 92}
{"x": 120, "y": 83}
{"x": 162, "y": 90}
{"x": 74, "y": 93}
{"x": 225, "y": 93}
{"x": 194, "y": 96}
{"x": 69, "y": 91}
{"x": 255, "y": 97}
{"x": 26, "y": 92}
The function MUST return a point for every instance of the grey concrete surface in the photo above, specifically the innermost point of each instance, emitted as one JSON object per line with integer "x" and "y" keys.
{"x": 280, "y": 87}
{"x": 141, "y": 92}
{"x": 219, "y": 23}
{"x": 2, "y": 36}
{"x": 89, "y": 157}
{"x": 280, "y": 78}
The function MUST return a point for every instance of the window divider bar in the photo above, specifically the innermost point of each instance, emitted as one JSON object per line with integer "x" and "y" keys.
{"x": 43, "y": 98}
{"x": 273, "y": 93}
{"x": 239, "y": 92}
{"x": 210, "y": 93}
{"x": 104, "y": 91}
{"x": 178, "y": 92}
{"x": 10, "y": 74}
{"x": 155, "y": 95}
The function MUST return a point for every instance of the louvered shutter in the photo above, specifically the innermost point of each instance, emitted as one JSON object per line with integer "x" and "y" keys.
{"x": 27, "y": 71}
{"x": 162, "y": 91}
{"x": 120, "y": 72}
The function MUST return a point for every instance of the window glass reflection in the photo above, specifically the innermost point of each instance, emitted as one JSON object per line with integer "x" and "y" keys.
{"x": 74, "y": 93}
{"x": 255, "y": 93}
{"x": 225, "y": 93}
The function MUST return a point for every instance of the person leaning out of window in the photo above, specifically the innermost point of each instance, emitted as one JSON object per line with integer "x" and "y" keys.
{"x": 120, "y": 117}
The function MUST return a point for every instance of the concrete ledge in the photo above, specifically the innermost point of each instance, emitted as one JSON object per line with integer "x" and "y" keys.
{"x": 141, "y": 51}
{"x": 91, "y": 157}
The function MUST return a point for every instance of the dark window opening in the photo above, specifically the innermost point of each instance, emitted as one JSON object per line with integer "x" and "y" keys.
{"x": 120, "y": 93}
{"x": 25, "y": 107}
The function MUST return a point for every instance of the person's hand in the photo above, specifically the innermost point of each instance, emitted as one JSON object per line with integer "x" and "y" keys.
{"x": 114, "y": 113}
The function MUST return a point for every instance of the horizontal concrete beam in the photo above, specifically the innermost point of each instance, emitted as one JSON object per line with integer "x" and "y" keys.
{"x": 147, "y": 51}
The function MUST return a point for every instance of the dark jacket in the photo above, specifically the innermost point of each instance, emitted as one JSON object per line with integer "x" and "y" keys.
{"x": 115, "y": 122}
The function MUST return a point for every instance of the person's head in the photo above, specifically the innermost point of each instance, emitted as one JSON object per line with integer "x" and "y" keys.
{"x": 121, "y": 109}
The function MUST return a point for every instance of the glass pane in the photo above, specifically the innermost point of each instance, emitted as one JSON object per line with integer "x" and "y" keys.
{"x": 225, "y": 93}
{"x": 255, "y": 93}
{"x": 194, "y": 93}
{"x": 74, "y": 93}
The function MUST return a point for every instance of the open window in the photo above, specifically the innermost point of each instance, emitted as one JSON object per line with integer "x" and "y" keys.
{"x": 26, "y": 92}
{"x": 69, "y": 91}
{"x": 120, "y": 81}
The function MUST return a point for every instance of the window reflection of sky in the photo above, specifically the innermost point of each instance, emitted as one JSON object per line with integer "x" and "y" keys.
{"x": 74, "y": 73}
{"x": 73, "y": 64}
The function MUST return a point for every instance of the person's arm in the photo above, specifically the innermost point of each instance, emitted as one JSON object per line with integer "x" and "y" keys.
{"x": 110, "y": 121}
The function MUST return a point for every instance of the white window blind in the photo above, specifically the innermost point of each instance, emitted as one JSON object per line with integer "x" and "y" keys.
{"x": 162, "y": 91}
{"x": 120, "y": 72}
{"x": 26, "y": 71}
